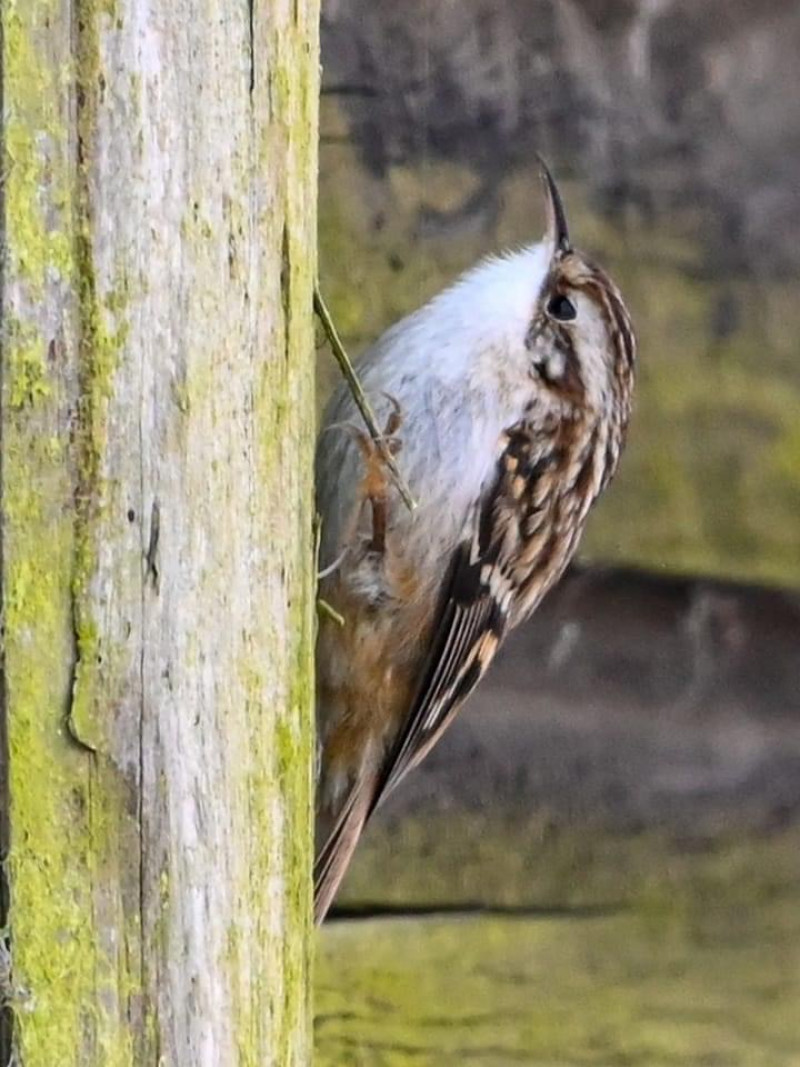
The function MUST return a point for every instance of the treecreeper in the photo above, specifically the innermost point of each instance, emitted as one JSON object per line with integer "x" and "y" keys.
{"x": 505, "y": 401}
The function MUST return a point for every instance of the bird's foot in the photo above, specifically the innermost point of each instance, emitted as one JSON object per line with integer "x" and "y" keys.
{"x": 377, "y": 478}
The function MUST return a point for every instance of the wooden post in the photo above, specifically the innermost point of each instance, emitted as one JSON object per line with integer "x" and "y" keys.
{"x": 158, "y": 229}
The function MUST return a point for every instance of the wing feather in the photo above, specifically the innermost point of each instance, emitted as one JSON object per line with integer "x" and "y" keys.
{"x": 471, "y": 621}
{"x": 442, "y": 691}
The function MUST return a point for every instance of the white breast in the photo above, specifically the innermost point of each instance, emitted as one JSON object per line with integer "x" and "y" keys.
{"x": 461, "y": 373}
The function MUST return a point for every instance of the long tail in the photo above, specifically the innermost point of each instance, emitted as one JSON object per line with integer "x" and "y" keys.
{"x": 338, "y": 844}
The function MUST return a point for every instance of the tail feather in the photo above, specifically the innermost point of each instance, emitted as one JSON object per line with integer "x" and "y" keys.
{"x": 338, "y": 846}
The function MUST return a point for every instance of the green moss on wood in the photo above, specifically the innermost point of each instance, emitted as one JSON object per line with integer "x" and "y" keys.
{"x": 51, "y": 931}
{"x": 57, "y": 495}
{"x": 102, "y": 331}
{"x": 286, "y": 465}
{"x": 31, "y": 122}
{"x": 27, "y": 365}
{"x": 100, "y": 350}
{"x": 699, "y": 965}
{"x": 57, "y": 836}
{"x": 518, "y": 861}
{"x": 62, "y": 802}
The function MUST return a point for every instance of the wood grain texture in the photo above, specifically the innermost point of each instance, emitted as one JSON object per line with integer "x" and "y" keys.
{"x": 159, "y": 225}
{"x": 700, "y": 966}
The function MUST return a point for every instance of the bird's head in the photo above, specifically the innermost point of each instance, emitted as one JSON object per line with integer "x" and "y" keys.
{"x": 580, "y": 338}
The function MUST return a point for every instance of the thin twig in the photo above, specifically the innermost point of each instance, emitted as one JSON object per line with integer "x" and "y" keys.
{"x": 328, "y": 571}
{"x": 360, "y": 398}
{"x": 324, "y": 608}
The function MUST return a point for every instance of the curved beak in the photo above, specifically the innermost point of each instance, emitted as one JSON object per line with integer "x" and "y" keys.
{"x": 557, "y": 232}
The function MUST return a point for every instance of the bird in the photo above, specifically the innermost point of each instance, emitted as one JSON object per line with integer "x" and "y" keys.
{"x": 505, "y": 402}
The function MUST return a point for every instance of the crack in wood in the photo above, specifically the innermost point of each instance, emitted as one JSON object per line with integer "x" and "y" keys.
{"x": 151, "y": 559}
{"x": 148, "y": 1008}
{"x": 286, "y": 290}
{"x": 370, "y": 912}
{"x": 251, "y": 12}
{"x": 70, "y": 720}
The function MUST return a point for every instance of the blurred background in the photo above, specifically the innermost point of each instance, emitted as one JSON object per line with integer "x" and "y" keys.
{"x": 599, "y": 864}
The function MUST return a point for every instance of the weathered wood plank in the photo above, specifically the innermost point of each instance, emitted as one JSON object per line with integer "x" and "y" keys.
{"x": 702, "y": 968}
{"x": 159, "y": 225}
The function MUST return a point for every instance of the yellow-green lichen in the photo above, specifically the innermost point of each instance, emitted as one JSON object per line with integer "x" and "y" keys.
{"x": 50, "y": 780}
{"x": 295, "y": 738}
{"x": 288, "y": 446}
{"x": 85, "y": 938}
{"x": 102, "y": 331}
{"x": 32, "y": 129}
{"x": 99, "y": 351}
{"x": 65, "y": 807}
{"x": 698, "y": 964}
{"x": 27, "y": 365}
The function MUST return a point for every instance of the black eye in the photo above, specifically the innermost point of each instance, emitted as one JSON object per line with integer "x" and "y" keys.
{"x": 561, "y": 308}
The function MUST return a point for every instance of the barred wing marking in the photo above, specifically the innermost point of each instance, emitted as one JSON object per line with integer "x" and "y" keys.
{"x": 468, "y": 635}
{"x": 476, "y": 603}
